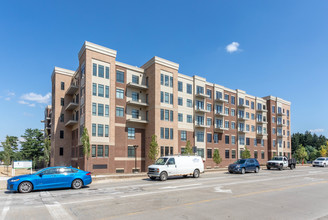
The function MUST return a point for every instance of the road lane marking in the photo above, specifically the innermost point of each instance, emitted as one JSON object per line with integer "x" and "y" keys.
{"x": 174, "y": 187}
{"x": 6, "y": 208}
{"x": 219, "y": 190}
{"x": 55, "y": 209}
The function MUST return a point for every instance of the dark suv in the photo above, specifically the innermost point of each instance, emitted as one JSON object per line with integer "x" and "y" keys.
{"x": 244, "y": 165}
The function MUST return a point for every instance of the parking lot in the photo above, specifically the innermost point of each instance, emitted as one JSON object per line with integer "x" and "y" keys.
{"x": 269, "y": 194}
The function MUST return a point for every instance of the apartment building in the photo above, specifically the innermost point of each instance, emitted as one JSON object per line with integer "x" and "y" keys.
{"x": 122, "y": 106}
{"x": 47, "y": 120}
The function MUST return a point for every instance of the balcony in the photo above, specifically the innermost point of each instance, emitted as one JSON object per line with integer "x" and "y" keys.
{"x": 220, "y": 99}
{"x": 132, "y": 102}
{"x": 261, "y": 121}
{"x": 201, "y": 125}
{"x": 281, "y": 114}
{"x": 220, "y": 113}
{"x": 261, "y": 133}
{"x": 72, "y": 89}
{"x": 243, "y": 105}
{"x": 71, "y": 106}
{"x": 242, "y": 118}
{"x": 261, "y": 110}
{"x": 137, "y": 120}
{"x": 70, "y": 123}
{"x": 202, "y": 95}
{"x": 281, "y": 125}
{"x": 197, "y": 109}
{"x": 220, "y": 128}
{"x": 242, "y": 131}
{"x": 137, "y": 86}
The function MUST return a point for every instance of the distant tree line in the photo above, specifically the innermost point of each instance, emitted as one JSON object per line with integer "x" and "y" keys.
{"x": 308, "y": 146}
{"x": 34, "y": 146}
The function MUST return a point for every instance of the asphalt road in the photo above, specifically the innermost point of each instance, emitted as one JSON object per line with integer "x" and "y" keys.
{"x": 270, "y": 194}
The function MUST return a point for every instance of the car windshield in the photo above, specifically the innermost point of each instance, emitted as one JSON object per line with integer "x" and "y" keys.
{"x": 161, "y": 161}
{"x": 241, "y": 161}
{"x": 320, "y": 158}
{"x": 277, "y": 158}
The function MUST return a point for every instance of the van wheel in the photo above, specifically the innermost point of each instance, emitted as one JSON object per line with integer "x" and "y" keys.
{"x": 163, "y": 176}
{"x": 257, "y": 170}
{"x": 196, "y": 174}
{"x": 291, "y": 166}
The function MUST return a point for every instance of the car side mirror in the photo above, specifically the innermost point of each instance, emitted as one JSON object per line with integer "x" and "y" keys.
{"x": 41, "y": 174}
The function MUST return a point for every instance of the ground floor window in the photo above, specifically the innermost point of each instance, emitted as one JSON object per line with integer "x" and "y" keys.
{"x": 131, "y": 151}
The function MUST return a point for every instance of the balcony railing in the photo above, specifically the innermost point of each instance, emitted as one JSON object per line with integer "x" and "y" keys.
{"x": 261, "y": 121}
{"x": 71, "y": 123}
{"x": 242, "y": 130}
{"x": 201, "y": 125}
{"x": 262, "y": 110}
{"x": 197, "y": 109}
{"x": 72, "y": 89}
{"x": 138, "y": 103}
{"x": 261, "y": 133}
{"x": 202, "y": 95}
{"x": 220, "y": 128}
{"x": 136, "y": 85}
{"x": 220, "y": 113}
{"x": 71, "y": 106}
{"x": 281, "y": 125}
{"x": 243, "y": 105}
{"x": 137, "y": 120}
{"x": 242, "y": 118}
{"x": 220, "y": 99}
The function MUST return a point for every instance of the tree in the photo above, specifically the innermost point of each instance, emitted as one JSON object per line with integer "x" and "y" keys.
{"x": 45, "y": 158}
{"x": 301, "y": 153}
{"x": 216, "y": 157}
{"x": 153, "y": 148}
{"x": 245, "y": 154}
{"x": 188, "y": 149}
{"x": 85, "y": 140}
{"x": 9, "y": 149}
{"x": 32, "y": 146}
{"x": 323, "y": 150}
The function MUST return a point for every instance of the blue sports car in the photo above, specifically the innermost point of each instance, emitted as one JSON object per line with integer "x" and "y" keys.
{"x": 50, "y": 178}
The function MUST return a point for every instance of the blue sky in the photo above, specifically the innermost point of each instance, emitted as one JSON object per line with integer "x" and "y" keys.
{"x": 280, "y": 49}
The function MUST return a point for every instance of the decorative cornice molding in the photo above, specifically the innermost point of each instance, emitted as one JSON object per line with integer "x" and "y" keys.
{"x": 161, "y": 61}
{"x": 62, "y": 71}
{"x": 97, "y": 48}
{"x": 135, "y": 68}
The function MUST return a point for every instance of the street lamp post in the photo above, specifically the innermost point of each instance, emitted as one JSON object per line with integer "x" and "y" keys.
{"x": 135, "y": 158}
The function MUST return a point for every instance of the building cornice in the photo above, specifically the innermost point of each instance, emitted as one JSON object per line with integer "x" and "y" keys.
{"x": 161, "y": 61}
{"x": 97, "y": 48}
{"x": 66, "y": 72}
{"x": 182, "y": 76}
{"x": 135, "y": 68}
{"x": 277, "y": 99}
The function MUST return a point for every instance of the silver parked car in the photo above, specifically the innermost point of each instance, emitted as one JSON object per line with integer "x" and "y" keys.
{"x": 320, "y": 162}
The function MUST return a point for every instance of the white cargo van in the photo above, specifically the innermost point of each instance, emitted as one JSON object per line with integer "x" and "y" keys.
{"x": 167, "y": 166}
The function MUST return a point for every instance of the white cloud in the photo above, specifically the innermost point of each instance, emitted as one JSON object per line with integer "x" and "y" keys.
{"x": 317, "y": 130}
{"x": 10, "y": 93}
{"x": 7, "y": 98}
{"x": 21, "y": 139}
{"x": 26, "y": 103}
{"x": 233, "y": 47}
{"x": 37, "y": 97}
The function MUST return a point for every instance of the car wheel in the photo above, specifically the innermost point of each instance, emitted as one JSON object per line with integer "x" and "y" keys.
{"x": 280, "y": 167}
{"x": 243, "y": 171}
{"x": 313, "y": 165}
{"x": 25, "y": 187}
{"x": 230, "y": 171}
{"x": 324, "y": 165}
{"x": 291, "y": 166}
{"x": 196, "y": 173}
{"x": 268, "y": 168}
{"x": 185, "y": 176}
{"x": 163, "y": 176}
{"x": 77, "y": 184}
{"x": 152, "y": 177}
{"x": 257, "y": 170}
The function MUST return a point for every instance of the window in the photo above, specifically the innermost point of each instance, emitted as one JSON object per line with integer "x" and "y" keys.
{"x": 262, "y": 143}
{"x": 209, "y": 138}
{"x": 171, "y": 115}
{"x": 226, "y": 124}
{"x": 233, "y": 125}
{"x": 247, "y": 141}
{"x": 119, "y": 93}
{"x": 209, "y": 122}
{"x": 233, "y": 100}
{"x": 273, "y": 119}
{"x": 167, "y": 115}
{"x": 62, "y": 101}
{"x": 100, "y": 109}
{"x": 180, "y": 86}
{"x": 180, "y": 117}
{"x": 119, "y": 76}
{"x": 241, "y": 140}
{"x": 166, "y": 82}
{"x": 162, "y": 133}
{"x": 200, "y": 152}
{"x": 100, "y": 151}
{"x": 171, "y": 133}
{"x": 227, "y": 156}
{"x": 135, "y": 113}
{"x": 61, "y": 151}
{"x": 131, "y": 133}
{"x": 180, "y": 101}
{"x": 167, "y": 133}
{"x": 162, "y": 97}
{"x": 107, "y": 72}
{"x": 119, "y": 111}
{"x": 241, "y": 101}
{"x": 162, "y": 79}
{"x": 106, "y": 149}
{"x": 189, "y": 88}
{"x": 61, "y": 134}
{"x": 101, "y": 71}
{"x": 94, "y": 108}
{"x": 106, "y": 130}
{"x": 171, "y": 99}
{"x": 200, "y": 90}
{"x": 233, "y": 139}
{"x": 247, "y": 127}
{"x": 189, "y": 103}
{"x": 94, "y": 130}
{"x": 62, "y": 85}
{"x": 135, "y": 79}
{"x": 94, "y": 89}
{"x": 247, "y": 115}
{"x": 253, "y": 128}
{"x": 226, "y": 111}
{"x": 274, "y": 143}
{"x": 199, "y": 104}
{"x": 255, "y": 154}
{"x": 200, "y": 136}
{"x": 209, "y": 93}
{"x": 218, "y": 95}
{"x": 209, "y": 107}
{"x": 94, "y": 69}
{"x": 100, "y": 90}
{"x": 252, "y": 105}
{"x": 255, "y": 142}
{"x": 131, "y": 151}
{"x": 233, "y": 112}
{"x": 107, "y": 110}
{"x": 247, "y": 102}
{"x": 262, "y": 154}
{"x": 189, "y": 118}
{"x": 183, "y": 135}
{"x": 233, "y": 154}
{"x": 273, "y": 130}
{"x": 171, "y": 81}
{"x": 273, "y": 109}
{"x": 226, "y": 139}
{"x": 216, "y": 138}
{"x": 259, "y": 106}
{"x": 135, "y": 96}
{"x": 61, "y": 117}
{"x": 100, "y": 130}
{"x": 107, "y": 91}
{"x": 209, "y": 153}
{"x": 253, "y": 116}
{"x": 167, "y": 97}
{"x": 93, "y": 151}
{"x": 226, "y": 97}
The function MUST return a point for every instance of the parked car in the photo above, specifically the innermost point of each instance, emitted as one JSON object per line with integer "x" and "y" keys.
{"x": 320, "y": 162}
{"x": 244, "y": 165}
{"x": 281, "y": 162}
{"x": 165, "y": 167}
{"x": 50, "y": 178}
